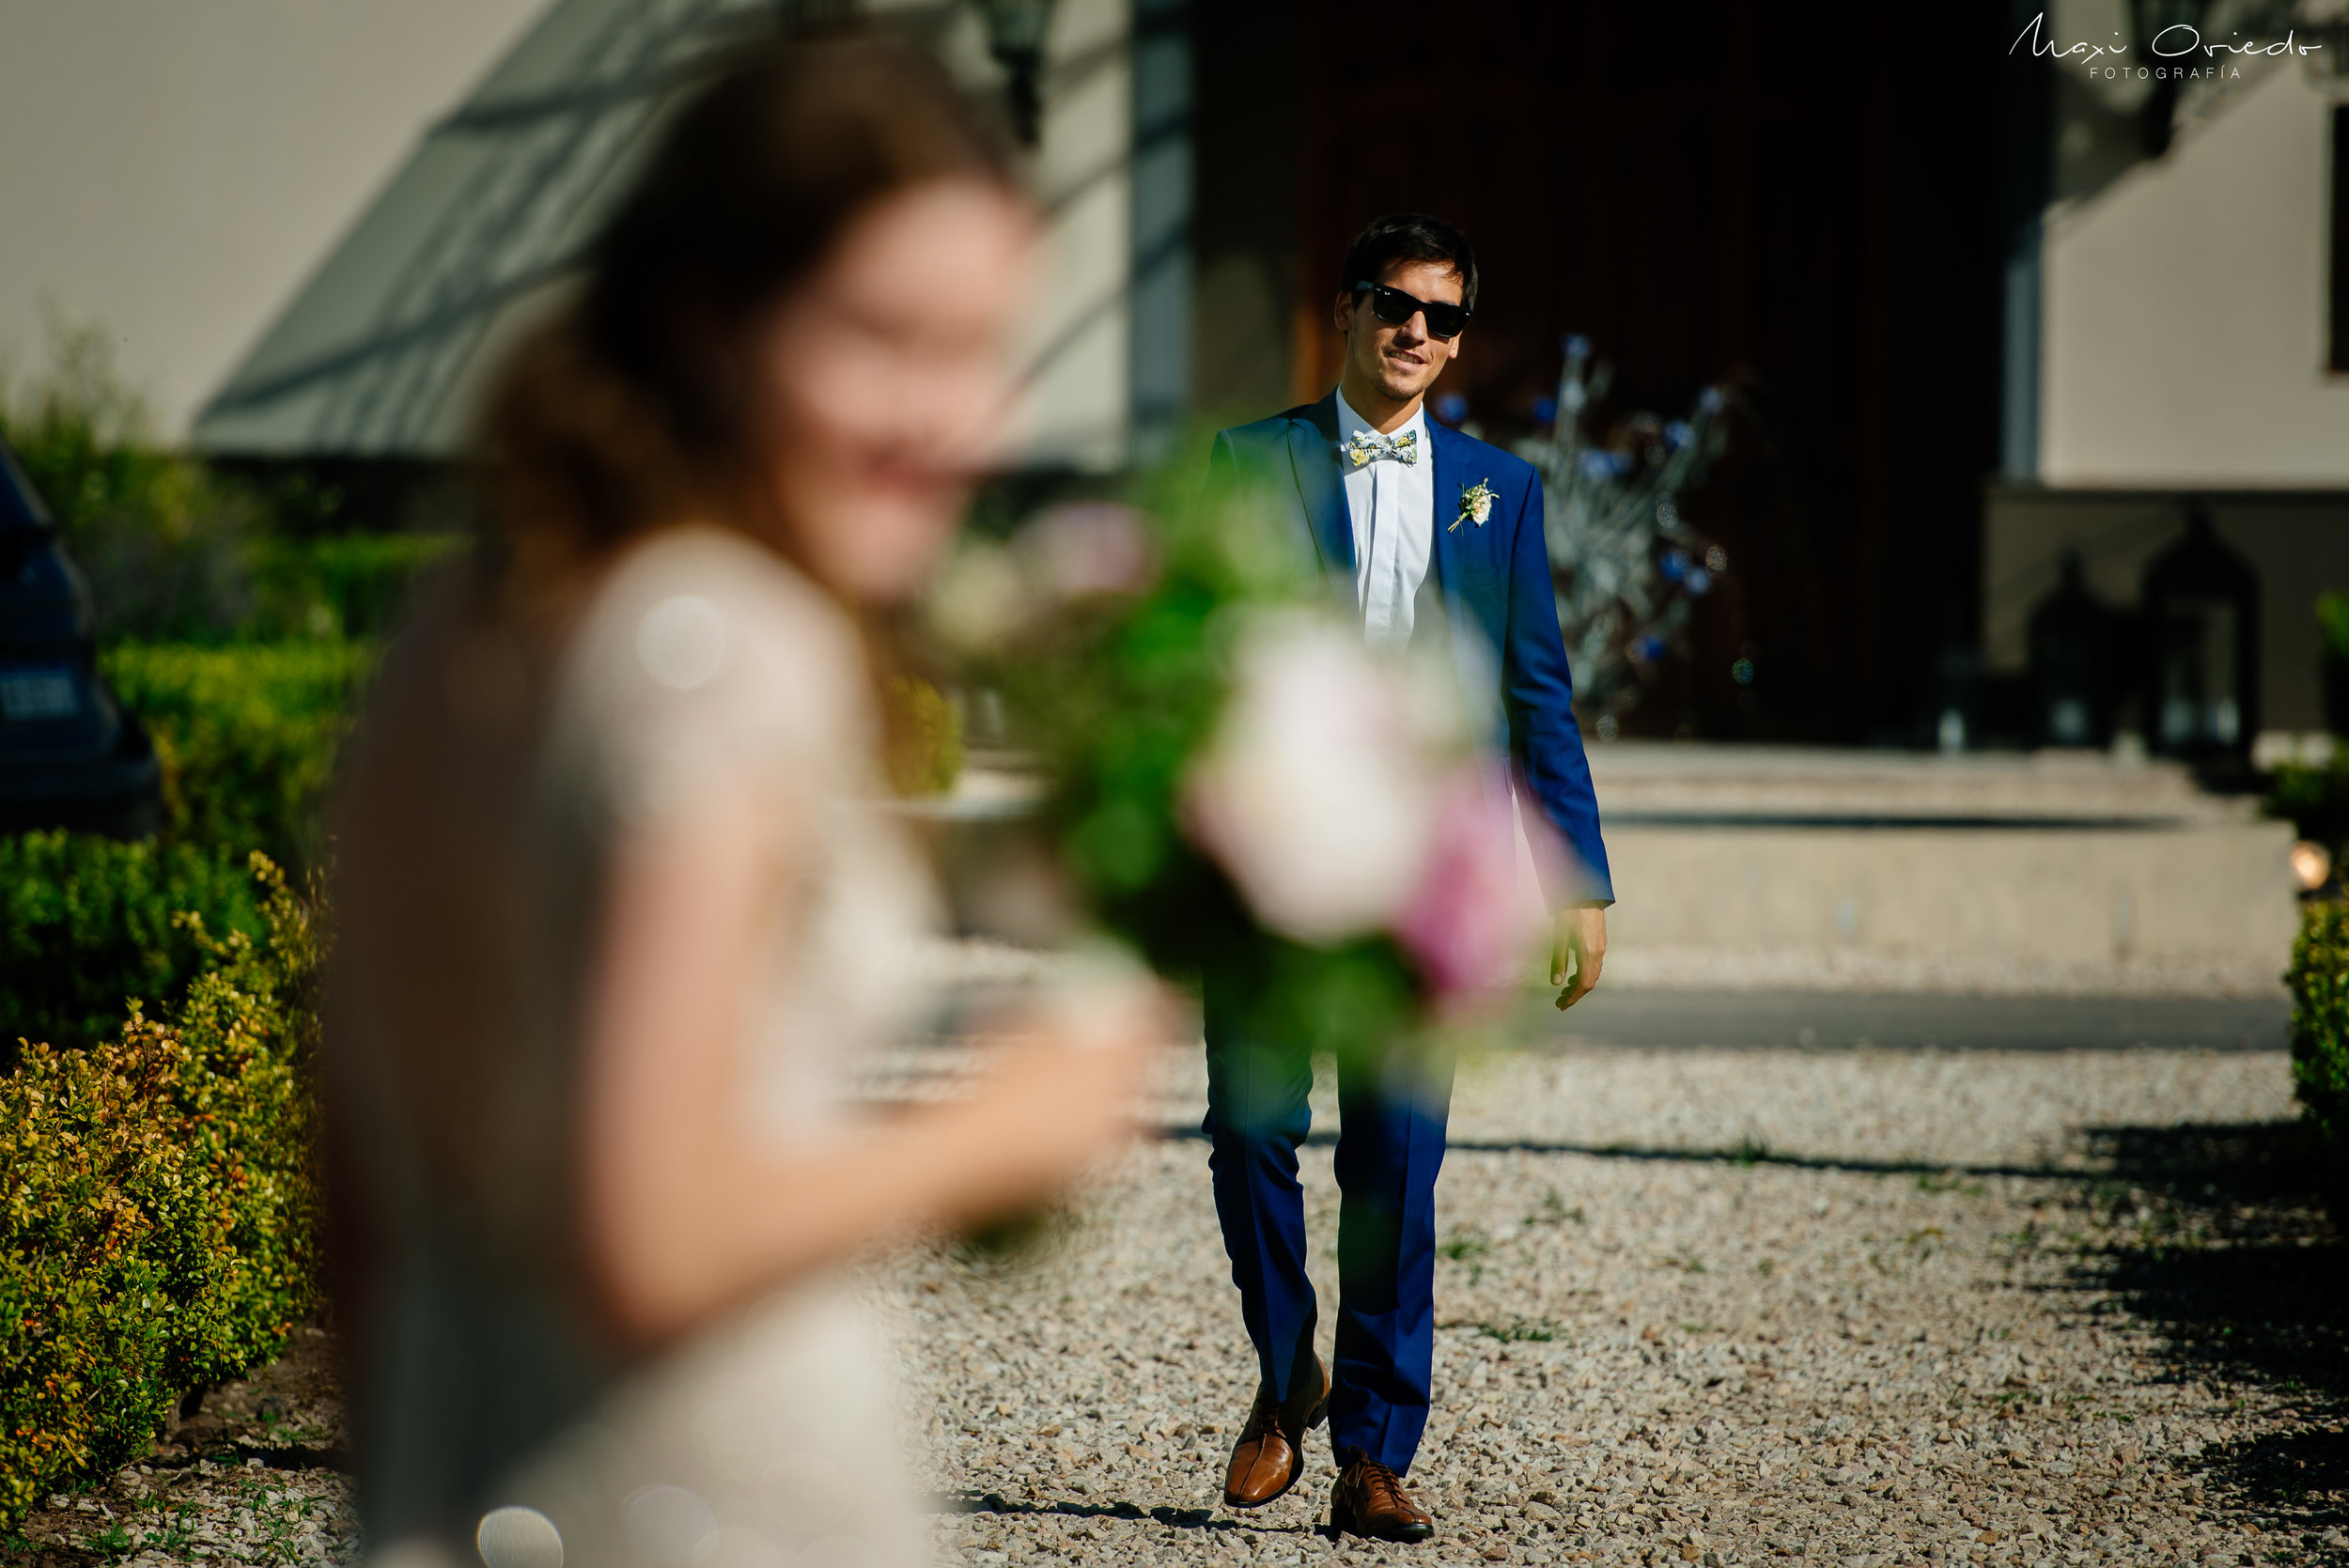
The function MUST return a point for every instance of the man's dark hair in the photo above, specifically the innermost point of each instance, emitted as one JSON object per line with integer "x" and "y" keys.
{"x": 1408, "y": 237}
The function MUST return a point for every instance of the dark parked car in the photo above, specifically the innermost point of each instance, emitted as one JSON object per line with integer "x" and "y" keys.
{"x": 69, "y": 757}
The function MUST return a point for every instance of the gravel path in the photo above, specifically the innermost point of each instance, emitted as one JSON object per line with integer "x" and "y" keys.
{"x": 1856, "y": 1307}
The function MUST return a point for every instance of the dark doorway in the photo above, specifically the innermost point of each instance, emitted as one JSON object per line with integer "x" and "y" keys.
{"x": 1801, "y": 207}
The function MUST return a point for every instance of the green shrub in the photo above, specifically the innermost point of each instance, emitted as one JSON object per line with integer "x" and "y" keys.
{"x": 2314, "y": 799}
{"x": 177, "y": 551}
{"x": 87, "y": 923}
{"x": 247, "y": 735}
{"x": 2319, "y": 979}
{"x": 362, "y": 581}
{"x": 2333, "y": 662}
{"x": 159, "y": 1210}
{"x": 162, "y": 540}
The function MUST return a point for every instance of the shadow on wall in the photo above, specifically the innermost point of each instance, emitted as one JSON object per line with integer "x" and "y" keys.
{"x": 2297, "y": 541}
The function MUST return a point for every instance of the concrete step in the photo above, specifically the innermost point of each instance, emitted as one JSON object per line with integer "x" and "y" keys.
{"x": 1668, "y": 782}
{"x": 2050, "y": 862}
{"x": 1613, "y": 1018}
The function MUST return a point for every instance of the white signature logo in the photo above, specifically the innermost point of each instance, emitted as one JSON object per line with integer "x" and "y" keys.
{"x": 2175, "y": 41}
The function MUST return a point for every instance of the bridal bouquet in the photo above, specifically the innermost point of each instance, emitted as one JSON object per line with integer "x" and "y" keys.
{"x": 1236, "y": 784}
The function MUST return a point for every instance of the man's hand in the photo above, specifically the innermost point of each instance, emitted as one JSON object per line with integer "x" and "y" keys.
{"x": 1580, "y": 949}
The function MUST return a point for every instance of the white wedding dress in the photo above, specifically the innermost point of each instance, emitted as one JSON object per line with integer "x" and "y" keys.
{"x": 476, "y": 833}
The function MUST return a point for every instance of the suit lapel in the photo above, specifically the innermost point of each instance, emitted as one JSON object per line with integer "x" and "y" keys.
{"x": 1314, "y": 453}
{"x": 1451, "y": 543}
{"x": 1474, "y": 657}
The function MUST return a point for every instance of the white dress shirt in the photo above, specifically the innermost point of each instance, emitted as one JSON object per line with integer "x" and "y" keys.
{"x": 1393, "y": 509}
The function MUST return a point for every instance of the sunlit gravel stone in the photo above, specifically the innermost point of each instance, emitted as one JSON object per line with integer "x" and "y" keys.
{"x": 1849, "y": 1308}
{"x": 1859, "y": 1309}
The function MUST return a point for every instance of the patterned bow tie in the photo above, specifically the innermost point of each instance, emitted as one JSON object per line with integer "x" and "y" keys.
{"x": 1364, "y": 447}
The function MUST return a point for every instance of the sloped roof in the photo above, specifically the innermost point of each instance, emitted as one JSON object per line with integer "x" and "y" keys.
{"x": 379, "y": 351}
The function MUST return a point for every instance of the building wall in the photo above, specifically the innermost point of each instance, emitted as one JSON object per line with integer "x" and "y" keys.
{"x": 2183, "y": 325}
{"x": 173, "y": 171}
{"x": 2184, "y": 305}
{"x": 1245, "y": 221}
{"x": 2297, "y": 540}
{"x": 196, "y": 178}
{"x": 1733, "y": 202}
{"x": 1077, "y": 410}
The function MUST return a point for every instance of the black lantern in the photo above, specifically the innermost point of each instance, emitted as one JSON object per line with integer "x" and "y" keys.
{"x": 1014, "y": 35}
{"x": 2075, "y": 662}
{"x": 2202, "y": 609}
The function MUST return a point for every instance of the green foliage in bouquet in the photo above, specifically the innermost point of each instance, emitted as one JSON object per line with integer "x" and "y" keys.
{"x": 1118, "y": 690}
{"x": 159, "y": 1208}
{"x": 2319, "y": 978}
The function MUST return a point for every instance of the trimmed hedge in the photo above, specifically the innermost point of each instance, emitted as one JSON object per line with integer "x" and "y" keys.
{"x": 2319, "y": 978}
{"x": 162, "y": 539}
{"x": 177, "y": 549}
{"x": 86, "y": 923}
{"x": 247, "y": 735}
{"x": 2315, "y": 799}
{"x": 159, "y": 1212}
{"x": 159, "y": 1208}
{"x": 352, "y": 584}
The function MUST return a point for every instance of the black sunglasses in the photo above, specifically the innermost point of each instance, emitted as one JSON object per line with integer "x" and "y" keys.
{"x": 1394, "y": 307}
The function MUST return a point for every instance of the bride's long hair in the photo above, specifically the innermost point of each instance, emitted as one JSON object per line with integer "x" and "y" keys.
{"x": 627, "y": 411}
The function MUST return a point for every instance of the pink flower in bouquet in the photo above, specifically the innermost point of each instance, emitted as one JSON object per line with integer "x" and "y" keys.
{"x": 1090, "y": 548}
{"x": 990, "y": 595}
{"x": 1317, "y": 794}
{"x": 1471, "y": 924}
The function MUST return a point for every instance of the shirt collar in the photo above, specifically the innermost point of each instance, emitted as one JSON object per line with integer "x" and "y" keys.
{"x": 1351, "y": 424}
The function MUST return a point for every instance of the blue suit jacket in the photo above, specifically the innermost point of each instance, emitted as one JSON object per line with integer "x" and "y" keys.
{"x": 1491, "y": 578}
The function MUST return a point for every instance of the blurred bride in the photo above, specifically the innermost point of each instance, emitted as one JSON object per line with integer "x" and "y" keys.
{"x": 616, "y": 911}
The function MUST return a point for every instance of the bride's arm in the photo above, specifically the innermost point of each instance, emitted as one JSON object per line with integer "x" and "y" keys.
{"x": 684, "y": 1213}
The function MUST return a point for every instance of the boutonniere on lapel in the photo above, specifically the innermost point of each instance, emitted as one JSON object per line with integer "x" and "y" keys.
{"x": 1476, "y": 505}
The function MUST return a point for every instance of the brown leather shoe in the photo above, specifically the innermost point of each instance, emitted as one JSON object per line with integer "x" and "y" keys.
{"x": 1369, "y": 1501}
{"x": 1270, "y": 1453}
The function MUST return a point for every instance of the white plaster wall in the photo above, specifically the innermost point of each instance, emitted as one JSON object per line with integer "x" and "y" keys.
{"x": 172, "y": 169}
{"x": 1077, "y": 406}
{"x": 2218, "y": 893}
{"x": 2184, "y": 310}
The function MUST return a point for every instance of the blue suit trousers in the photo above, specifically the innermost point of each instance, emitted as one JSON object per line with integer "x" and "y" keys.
{"x": 1391, "y": 1113}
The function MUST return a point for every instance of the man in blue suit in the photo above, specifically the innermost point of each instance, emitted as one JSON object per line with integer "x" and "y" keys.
{"x": 1424, "y": 532}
